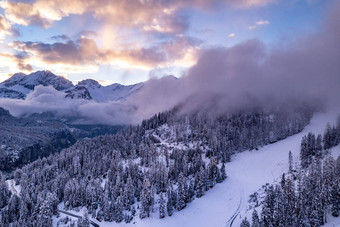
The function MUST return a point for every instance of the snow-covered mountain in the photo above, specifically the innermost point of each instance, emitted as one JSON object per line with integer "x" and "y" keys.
{"x": 91, "y": 89}
{"x": 20, "y": 85}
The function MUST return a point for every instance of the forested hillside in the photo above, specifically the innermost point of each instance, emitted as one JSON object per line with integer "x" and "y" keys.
{"x": 23, "y": 140}
{"x": 158, "y": 166}
{"x": 306, "y": 196}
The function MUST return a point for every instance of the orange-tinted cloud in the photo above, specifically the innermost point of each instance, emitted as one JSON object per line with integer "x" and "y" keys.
{"x": 142, "y": 17}
{"x": 6, "y": 28}
{"x": 10, "y": 64}
{"x": 85, "y": 52}
{"x": 150, "y": 16}
{"x": 147, "y": 15}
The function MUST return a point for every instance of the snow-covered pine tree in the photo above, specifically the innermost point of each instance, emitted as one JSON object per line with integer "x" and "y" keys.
{"x": 290, "y": 161}
{"x": 255, "y": 219}
{"x": 161, "y": 206}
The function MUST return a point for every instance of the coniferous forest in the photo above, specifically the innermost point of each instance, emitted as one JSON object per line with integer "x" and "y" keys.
{"x": 158, "y": 166}
{"x": 308, "y": 195}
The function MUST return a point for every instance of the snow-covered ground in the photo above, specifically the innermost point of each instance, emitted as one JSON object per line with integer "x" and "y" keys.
{"x": 15, "y": 189}
{"x": 247, "y": 172}
{"x": 333, "y": 222}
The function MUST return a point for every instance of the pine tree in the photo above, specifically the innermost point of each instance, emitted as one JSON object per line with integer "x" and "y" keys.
{"x": 84, "y": 221}
{"x": 255, "y": 219}
{"x": 223, "y": 173}
{"x": 304, "y": 156}
{"x": 169, "y": 204}
{"x": 107, "y": 211}
{"x": 161, "y": 206}
{"x": 45, "y": 215}
{"x": 181, "y": 192}
{"x": 290, "y": 161}
{"x": 145, "y": 199}
{"x": 200, "y": 182}
{"x": 245, "y": 223}
{"x": 335, "y": 199}
{"x": 5, "y": 193}
{"x": 24, "y": 215}
{"x": 327, "y": 138}
{"x": 267, "y": 214}
{"x": 118, "y": 208}
{"x": 318, "y": 146}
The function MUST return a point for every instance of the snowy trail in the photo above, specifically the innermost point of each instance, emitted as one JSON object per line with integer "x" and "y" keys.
{"x": 77, "y": 216}
{"x": 247, "y": 172}
{"x": 236, "y": 213}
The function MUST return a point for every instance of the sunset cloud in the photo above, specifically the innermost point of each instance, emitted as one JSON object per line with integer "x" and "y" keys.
{"x": 6, "y": 28}
{"x": 14, "y": 62}
{"x": 84, "y": 53}
{"x": 147, "y": 15}
{"x": 112, "y": 36}
{"x": 153, "y": 15}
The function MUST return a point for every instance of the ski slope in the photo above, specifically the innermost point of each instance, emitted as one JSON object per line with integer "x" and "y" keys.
{"x": 247, "y": 172}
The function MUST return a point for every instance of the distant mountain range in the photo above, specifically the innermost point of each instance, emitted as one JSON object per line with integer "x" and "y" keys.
{"x": 20, "y": 85}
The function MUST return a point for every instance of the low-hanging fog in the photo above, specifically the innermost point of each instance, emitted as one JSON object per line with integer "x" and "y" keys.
{"x": 224, "y": 79}
{"x": 251, "y": 74}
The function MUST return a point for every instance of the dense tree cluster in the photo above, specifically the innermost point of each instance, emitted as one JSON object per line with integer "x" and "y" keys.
{"x": 305, "y": 202}
{"x": 308, "y": 196}
{"x": 312, "y": 146}
{"x": 158, "y": 166}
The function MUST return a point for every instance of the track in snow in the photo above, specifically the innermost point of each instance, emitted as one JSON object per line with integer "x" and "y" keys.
{"x": 237, "y": 212}
{"x": 77, "y": 216}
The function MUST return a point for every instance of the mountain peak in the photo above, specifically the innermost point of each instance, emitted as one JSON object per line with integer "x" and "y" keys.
{"x": 47, "y": 78}
{"x": 44, "y": 78}
{"x": 20, "y": 84}
{"x": 89, "y": 83}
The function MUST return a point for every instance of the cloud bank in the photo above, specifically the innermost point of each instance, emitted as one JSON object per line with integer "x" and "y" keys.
{"x": 47, "y": 99}
{"x": 251, "y": 74}
{"x": 223, "y": 79}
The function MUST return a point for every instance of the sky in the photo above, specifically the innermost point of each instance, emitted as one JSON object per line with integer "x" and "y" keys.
{"x": 129, "y": 41}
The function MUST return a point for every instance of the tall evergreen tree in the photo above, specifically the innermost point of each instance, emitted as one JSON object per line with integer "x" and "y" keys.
{"x": 161, "y": 206}
{"x": 255, "y": 219}
{"x": 290, "y": 161}
{"x": 245, "y": 223}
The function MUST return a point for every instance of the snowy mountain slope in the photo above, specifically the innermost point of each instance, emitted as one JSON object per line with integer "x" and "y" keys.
{"x": 247, "y": 172}
{"x": 100, "y": 93}
{"x": 20, "y": 84}
{"x": 78, "y": 92}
